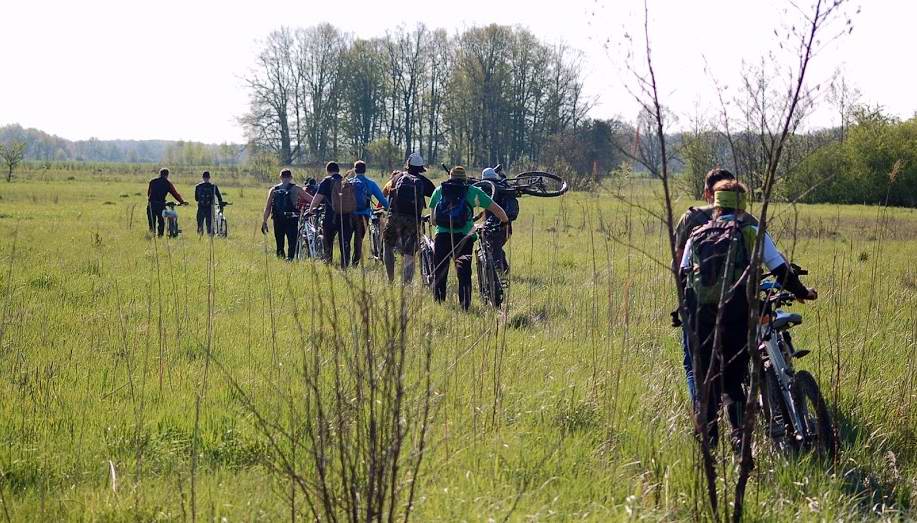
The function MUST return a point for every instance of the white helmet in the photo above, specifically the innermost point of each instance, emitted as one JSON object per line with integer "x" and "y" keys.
{"x": 416, "y": 160}
{"x": 490, "y": 174}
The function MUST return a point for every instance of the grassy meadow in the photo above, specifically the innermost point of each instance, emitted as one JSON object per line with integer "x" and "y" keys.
{"x": 569, "y": 405}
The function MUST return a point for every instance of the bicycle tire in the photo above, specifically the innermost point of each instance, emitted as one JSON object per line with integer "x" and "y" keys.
{"x": 806, "y": 390}
{"x": 539, "y": 183}
{"x": 774, "y": 410}
{"x": 427, "y": 269}
{"x": 490, "y": 286}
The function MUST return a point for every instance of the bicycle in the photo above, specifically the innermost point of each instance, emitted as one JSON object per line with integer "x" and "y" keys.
{"x": 220, "y": 224}
{"x": 309, "y": 243}
{"x": 427, "y": 265}
{"x": 375, "y": 234}
{"x": 171, "y": 217}
{"x": 541, "y": 184}
{"x": 796, "y": 414}
{"x": 491, "y": 282}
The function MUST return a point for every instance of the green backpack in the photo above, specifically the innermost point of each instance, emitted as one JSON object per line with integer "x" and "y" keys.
{"x": 720, "y": 254}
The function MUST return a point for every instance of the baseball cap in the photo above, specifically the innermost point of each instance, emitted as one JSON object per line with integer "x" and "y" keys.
{"x": 416, "y": 160}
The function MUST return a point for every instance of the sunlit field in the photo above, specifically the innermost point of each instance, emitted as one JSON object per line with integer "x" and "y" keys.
{"x": 148, "y": 378}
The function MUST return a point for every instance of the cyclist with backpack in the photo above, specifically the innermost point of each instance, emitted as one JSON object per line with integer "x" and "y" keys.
{"x": 204, "y": 194}
{"x": 499, "y": 233}
{"x": 156, "y": 193}
{"x": 693, "y": 218}
{"x": 715, "y": 267}
{"x": 453, "y": 204}
{"x": 337, "y": 194}
{"x": 407, "y": 192}
{"x": 283, "y": 200}
{"x": 364, "y": 191}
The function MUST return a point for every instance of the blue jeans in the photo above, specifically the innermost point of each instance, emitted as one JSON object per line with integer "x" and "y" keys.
{"x": 688, "y": 364}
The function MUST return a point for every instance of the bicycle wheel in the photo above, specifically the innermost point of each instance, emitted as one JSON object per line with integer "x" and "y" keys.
{"x": 426, "y": 261}
{"x": 375, "y": 240}
{"x": 489, "y": 281}
{"x": 224, "y": 228}
{"x": 814, "y": 413}
{"x": 774, "y": 410}
{"x": 539, "y": 183}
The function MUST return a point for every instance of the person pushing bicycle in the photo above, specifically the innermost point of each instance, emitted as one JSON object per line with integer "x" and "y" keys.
{"x": 499, "y": 233}
{"x": 204, "y": 194}
{"x": 156, "y": 193}
{"x": 452, "y": 205}
{"x": 715, "y": 267}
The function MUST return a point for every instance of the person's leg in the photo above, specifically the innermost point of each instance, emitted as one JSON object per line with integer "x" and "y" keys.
{"x": 462, "y": 258}
{"x": 688, "y": 364}
{"x": 200, "y": 219}
{"x": 208, "y": 219}
{"x": 710, "y": 383}
{"x": 407, "y": 272}
{"x": 292, "y": 234}
{"x": 149, "y": 218}
{"x": 157, "y": 209}
{"x": 442, "y": 251}
{"x": 734, "y": 378}
{"x": 279, "y": 236}
{"x": 345, "y": 233}
{"x": 329, "y": 230}
{"x": 359, "y": 232}
{"x": 389, "y": 240}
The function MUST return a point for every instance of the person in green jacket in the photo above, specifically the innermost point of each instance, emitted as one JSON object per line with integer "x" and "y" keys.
{"x": 453, "y": 204}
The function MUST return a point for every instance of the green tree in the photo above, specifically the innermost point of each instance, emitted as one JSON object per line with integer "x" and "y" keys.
{"x": 12, "y": 154}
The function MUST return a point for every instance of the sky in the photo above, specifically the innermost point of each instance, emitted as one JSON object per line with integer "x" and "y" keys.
{"x": 173, "y": 69}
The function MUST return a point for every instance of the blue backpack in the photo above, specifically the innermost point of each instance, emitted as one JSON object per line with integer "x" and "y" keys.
{"x": 360, "y": 193}
{"x": 452, "y": 210}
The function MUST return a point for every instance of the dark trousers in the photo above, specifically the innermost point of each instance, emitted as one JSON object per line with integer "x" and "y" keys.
{"x": 458, "y": 248}
{"x": 497, "y": 240}
{"x": 205, "y": 214}
{"x": 285, "y": 228}
{"x": 730, "y": 369}
{"x": 338, "y": 226}
{"x": 358, "y": 226}
{"x": 154, "y": 215}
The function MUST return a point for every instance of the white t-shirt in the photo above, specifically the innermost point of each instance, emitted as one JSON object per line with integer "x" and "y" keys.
{"x": 772, "y": 258}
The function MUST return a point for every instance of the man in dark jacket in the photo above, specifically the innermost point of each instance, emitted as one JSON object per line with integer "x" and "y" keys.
{"x": 204, "y": 194}
{"x": 283, "y": 203}
{"x": 156, "y": 196}
{"x": 407, "y": 192}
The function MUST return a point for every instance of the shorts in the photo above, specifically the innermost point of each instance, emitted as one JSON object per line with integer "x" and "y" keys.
{"x": 401, "y": 232}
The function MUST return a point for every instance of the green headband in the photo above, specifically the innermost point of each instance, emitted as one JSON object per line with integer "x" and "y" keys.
{"x": 729, "y": 200}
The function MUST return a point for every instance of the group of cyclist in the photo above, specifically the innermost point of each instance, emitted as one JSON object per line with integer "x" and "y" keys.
{"x": 713, "y": 247}
{"x": 205, "y": 194}
{"x": 345, "y": 204}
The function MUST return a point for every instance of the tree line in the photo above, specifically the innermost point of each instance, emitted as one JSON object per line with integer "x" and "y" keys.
{"x": 487, "y": 95}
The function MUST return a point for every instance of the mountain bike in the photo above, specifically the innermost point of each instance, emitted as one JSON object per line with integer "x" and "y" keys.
{"x": 309, "y": 243}
{"x": 794, "y": 409}
{"x": 220, "y": 224}
{"x": 171, "y": 217}
{"x": 375, "y": 234}
{"x": 541, "y": 184}
{"x": 491, "y": 280}
{"x": 427, "y": 266}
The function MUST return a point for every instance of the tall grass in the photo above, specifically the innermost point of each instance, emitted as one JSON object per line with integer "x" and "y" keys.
{"x": 570, "y": 403}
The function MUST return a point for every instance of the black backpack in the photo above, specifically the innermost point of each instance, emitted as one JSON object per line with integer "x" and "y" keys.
{"x": 452, "y": 210}
{"x": 204, "y": 193}
{"x": 407, "y": 197}
{"x": 506, "y": 198}
{"x": 720, "y": 253}
{"x": 282, "y": 202}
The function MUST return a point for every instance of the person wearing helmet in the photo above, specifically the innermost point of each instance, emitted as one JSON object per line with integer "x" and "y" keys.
{"x": 407, "y": 192}
{"x": 498, "y": 233}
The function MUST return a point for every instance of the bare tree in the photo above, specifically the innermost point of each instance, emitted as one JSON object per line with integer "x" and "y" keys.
{"x": 12, "y": 154}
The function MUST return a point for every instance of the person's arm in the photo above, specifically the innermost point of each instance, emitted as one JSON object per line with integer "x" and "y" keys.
{"x": 428, "y": 186}
{"x": 316, "y": 201}
{"x": 777, "y": 264}
{"x": 377, "y": 193}
{"x": 498, "y": 212}
{"x": 216, "y": 190}
{"x": 434, "y": 199}
{"x": 267, "y": 211}
{"x": 174, "y": 193}
{"x": 149, "y": 190}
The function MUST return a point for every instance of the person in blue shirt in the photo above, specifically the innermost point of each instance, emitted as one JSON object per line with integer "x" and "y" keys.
{"x": 365, "y": 190}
